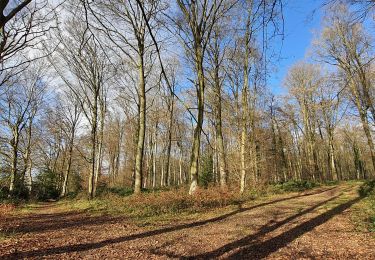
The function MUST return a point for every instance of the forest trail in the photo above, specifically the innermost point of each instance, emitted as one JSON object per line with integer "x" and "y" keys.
{"x": 315, "y": 224}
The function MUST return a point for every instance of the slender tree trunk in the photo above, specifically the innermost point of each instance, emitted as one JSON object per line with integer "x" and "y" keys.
{"x": 93, "y": 149}
{"x": 29, "y": 182}
{"x": 141, "y": 127}
{"x": 169, "y": 145}
{"x": 28, "y": 164}
{"x": 180, "y": 169}
{"x": 69, "y": 163}
{"x": 67, "y": 171}
{"x": 219, "y": 132}
{"x": 245, "y": 109}
{"x": 182, "y": 179}
{"x": 98, "y": 166}
{"x": 332, "y": 160}
{"x": 13, "y": 170}
{"x": 243, "y": 139}
{"x": 162, "y": 177}
{"x": 155, "y": 150}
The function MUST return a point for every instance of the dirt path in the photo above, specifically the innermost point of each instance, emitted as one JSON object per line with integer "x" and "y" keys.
{"x": 313, "y": 225}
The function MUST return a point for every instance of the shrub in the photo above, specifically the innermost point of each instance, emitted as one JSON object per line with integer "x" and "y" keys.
{"x": 367, "y": 188}
{"x": 292, "y": 186}
{"x": 46, "y": 187}
{"x": 4, "y": 192}
{"x": 206, "y": 175}
{"x": 120, "y": 191}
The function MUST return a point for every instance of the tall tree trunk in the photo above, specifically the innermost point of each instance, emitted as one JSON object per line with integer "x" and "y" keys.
{"x": 195, "y": 153}
{"x": 154, "y": 153}
{"x": 94, "y": 127}
{"x": 169, "y": 144}
{"x": 243, "y": 138}
{"x": 28, "y": 164}
{"x": 141, "y": 127}
{"x": 99, "y": 160}
{"x": 218, "y": 128}
{"x": 245, "y": 109}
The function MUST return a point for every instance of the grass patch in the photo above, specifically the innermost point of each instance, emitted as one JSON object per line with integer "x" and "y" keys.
{"x": 364, "y": 211}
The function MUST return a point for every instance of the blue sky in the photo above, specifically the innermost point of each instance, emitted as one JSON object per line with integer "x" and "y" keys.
{"x": 300, "y": 22}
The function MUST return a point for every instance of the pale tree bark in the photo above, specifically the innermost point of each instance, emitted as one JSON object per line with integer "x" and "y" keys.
{"x": 64, "y": 188}
{"x": 141, "y": 124}
{"x": 101, "y": 119}
{"x": 27, "y": 156}
{"x": 13, "y": 169}
{"x": 154, "y": 148}
{"x": 93, "y": 157}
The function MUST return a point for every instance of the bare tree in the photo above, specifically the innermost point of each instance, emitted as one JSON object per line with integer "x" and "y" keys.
{"x": 303, "y": 81}
{"x": 216, "y": 53}
{"x": 131, "y": 42}
{"x": 18, "y": 108}
{"x": 196, "y": 25}
{"x": 344, "y": 43}
{"x": 70, "y": 110}
{"x": 85, "y": 70}
{"x": 23, "y": 27}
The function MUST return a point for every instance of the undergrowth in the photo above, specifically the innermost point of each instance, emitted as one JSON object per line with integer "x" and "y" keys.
{"x": 294, "y": 186}
{"x": 364, "y": 215}
{"x": 158, "y": 203}
{"x": 176, "y": 201}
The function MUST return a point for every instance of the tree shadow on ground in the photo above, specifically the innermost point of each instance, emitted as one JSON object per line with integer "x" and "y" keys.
{"x": 50, "y": 222}
{"x": 265, "y": 248}
{"x": 94, "y": 245}
{"x": 250, "y": 247}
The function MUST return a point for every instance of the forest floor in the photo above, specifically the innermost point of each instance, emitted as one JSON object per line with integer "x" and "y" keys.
{"x": 315, "y": 224}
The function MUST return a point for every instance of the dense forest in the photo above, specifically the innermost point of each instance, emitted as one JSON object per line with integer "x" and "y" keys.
{"x": 155, "y": 94}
